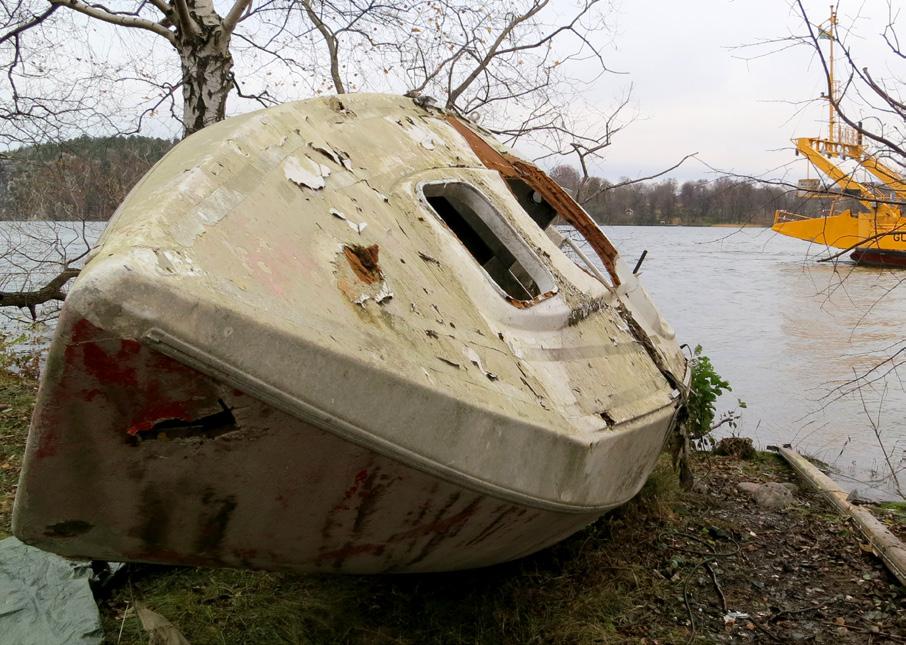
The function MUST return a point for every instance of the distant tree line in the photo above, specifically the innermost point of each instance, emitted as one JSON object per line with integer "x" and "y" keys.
{"x": 701, "y": 202}
{"x": 80, "y": 179}
{"x": 87, "y": 178}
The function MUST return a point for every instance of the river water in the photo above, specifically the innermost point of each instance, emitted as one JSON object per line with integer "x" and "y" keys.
{"x": 785, "y": 331}
{"x": 789, "y": 334}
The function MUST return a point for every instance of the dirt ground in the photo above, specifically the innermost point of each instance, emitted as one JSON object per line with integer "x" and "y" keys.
{"x": 802, "y": 574}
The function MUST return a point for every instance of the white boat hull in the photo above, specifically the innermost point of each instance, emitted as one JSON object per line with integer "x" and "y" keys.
{"x": 270, "y": 363}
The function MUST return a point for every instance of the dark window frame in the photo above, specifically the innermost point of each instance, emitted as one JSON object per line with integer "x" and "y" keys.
{"x": 512, "y": 268}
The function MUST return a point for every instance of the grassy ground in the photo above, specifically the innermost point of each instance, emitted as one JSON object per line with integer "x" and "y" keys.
{"x": 892, "y": 514}
{"x": 18, "y": 384}
{"x": 668, "y": 567}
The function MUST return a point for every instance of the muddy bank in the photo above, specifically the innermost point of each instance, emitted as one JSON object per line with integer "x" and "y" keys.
{"x": 801, "y": 573}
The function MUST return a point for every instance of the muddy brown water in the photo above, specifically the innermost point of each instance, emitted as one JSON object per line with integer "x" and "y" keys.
{"x": 783, "y": 329}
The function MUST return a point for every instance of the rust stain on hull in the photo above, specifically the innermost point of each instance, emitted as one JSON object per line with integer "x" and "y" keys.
{"x": 364, "y": 262}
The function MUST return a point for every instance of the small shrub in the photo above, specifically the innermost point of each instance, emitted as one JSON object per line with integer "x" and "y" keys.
{"x": 705, "y": 387}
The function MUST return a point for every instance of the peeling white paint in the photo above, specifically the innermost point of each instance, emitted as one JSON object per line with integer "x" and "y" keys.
{"x": 475, "y": 359}
{"x": 195, "y": 183}
{"x": 305, "y": 172}
{"x": 449, "y": 362}
{"x": 337, "y": 156}
{"x": 238, "y": 148}
{"x": 383, "y": 294}
{"x": 357, "y": 227}
{"x": 175, "y": 263}
{"x": 419, "y": 133}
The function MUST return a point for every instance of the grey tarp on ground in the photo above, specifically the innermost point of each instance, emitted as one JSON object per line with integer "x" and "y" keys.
{"x": 45, "y": 599}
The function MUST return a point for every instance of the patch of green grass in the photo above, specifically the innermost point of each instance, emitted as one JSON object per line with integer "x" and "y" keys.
{"x": 768, "y": 457}
{"x": 899, "y": 508}
{"x": 17, "y": 398}
{"x": 893, "y": 514}
{"x": 581, "y": 590}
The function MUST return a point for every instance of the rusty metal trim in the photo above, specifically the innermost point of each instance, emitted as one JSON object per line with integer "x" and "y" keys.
{"x": 525, "y": 304}
{"x": 564, "y": 205}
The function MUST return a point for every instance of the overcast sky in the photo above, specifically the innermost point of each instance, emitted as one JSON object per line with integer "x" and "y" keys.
{"x": 693, "y": 90}
{"x": 698, "y": 83}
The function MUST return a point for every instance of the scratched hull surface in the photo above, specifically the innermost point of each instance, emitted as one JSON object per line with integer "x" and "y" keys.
{"x": 293, "y": 496}
{"x": 282, "y": 357}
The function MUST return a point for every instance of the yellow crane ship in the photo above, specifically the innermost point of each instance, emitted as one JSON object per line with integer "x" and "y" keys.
{"x": 875, "y": 229}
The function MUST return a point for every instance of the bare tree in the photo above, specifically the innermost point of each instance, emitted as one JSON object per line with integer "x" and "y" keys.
{"x": 514, "y": 67}
{"x": 519, "y": 67}
{"x": 502, "y": 58}
{"x": 198, "y": 34}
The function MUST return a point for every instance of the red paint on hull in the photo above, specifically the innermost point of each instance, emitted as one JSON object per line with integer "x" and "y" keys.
{"x": 271, "y": 492}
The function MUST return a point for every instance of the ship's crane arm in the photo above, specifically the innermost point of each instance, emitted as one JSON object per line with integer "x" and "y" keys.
{"x": 842, "y": 181}
{"x": 889, "y": 177}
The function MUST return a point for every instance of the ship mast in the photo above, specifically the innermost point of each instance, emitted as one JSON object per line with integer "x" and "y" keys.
{"x": 878, "y": 226}
{"x": 842, "y": 141}
{"x": 831, "y": 85}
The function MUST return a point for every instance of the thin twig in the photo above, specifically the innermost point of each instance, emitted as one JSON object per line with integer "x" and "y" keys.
{"x": 793, "y": 612}
{"x": 720, "y": 592}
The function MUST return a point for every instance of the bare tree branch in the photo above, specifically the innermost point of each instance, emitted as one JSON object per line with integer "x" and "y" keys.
{"x": 484, "y": 61}
{"x": 37, "y": 20}
{"x": 235, "y": 13}
{"x": 94, "y": 11}
{"x": 630, "y": 182}
{"x": 330, "y": 40}
{"x": 185, "y": 20}
{"x": 53, "y": 290}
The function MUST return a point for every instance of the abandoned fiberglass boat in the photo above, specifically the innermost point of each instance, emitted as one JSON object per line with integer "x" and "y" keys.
{"x": 341, "y": 335}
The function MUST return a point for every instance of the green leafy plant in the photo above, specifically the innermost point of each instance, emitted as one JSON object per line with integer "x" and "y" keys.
{"x": 705, "y": 387}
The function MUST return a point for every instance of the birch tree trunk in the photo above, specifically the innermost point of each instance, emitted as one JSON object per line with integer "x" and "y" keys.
{"x": 207, "y": 66}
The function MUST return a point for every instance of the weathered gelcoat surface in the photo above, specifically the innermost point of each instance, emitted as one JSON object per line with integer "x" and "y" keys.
{"x": 280, "y": 357}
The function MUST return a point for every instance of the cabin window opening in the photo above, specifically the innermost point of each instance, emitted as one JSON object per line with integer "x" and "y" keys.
{"x": 564, "y": 235}
{"x": 496, "y": 247}
{"x": 532, "y": 202}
